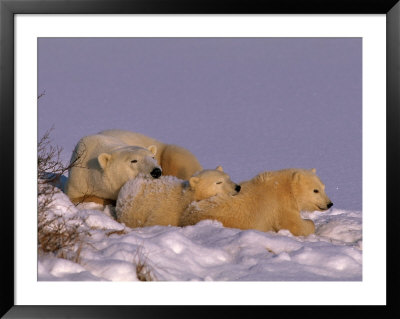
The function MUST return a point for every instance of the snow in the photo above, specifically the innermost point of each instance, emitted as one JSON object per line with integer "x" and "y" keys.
{"x": 206, "y": 251}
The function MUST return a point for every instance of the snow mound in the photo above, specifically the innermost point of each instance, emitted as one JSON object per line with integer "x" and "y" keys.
{"x": 341, "y": 225}
{"x": 206, "y": 251}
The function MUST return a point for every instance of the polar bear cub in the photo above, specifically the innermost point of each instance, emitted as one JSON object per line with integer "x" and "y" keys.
{"x": 269, "y": 202}
{"x": 102, "y": 164}
{"x": 144, "y": 202}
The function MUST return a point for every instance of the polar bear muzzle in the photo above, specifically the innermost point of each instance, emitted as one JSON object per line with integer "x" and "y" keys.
{"x": 156, "y": 173}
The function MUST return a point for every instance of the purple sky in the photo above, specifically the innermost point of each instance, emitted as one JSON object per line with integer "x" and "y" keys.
{"x": 248, "y": 104}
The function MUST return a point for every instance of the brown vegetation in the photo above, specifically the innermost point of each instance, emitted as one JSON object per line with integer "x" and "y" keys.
{"x": 55, "y": 234}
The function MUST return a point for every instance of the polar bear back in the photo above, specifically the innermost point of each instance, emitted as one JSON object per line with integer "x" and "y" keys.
{"x": 174, "y": 160}
{"x": 132, "y": 138}
{"x": 143, "y": 202}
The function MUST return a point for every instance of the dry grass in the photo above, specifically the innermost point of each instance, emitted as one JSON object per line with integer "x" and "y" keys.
{"x": 50, "y": 168}
{"x": 116, "y": 232}
{"x": 143, "y": 270}
{"x": 64, "y": 238}
{"x": 55, "y": 234}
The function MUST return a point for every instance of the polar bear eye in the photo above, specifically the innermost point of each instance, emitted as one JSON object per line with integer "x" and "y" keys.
{"x": 133, "y": 161}
{"x": 218, "y": 183}
{"x": 316, "y": 191}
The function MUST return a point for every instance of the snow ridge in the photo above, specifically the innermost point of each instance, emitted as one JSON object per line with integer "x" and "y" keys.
{"x": 206, "y": 251}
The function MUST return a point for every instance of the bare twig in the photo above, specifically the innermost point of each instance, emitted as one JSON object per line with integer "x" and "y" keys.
{"x": 41, "y": 94}
{"x": 143, "y": 270}
{"x": 56, "y": 235}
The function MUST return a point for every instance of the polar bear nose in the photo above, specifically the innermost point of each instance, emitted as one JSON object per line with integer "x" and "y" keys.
{"x": 330, "y": 205}
{"x": 238, "y": 188}
{"x": 156, "y": 173}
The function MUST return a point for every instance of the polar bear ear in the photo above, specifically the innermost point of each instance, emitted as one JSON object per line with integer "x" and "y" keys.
{"x": 296, "y": 176}
{"x": 153, "y": 149}
{"x": 219, "y": 168}
{"x": 314, "y": 170}
{"x": 104, "y": 159}
{"x": 193, "y": 181}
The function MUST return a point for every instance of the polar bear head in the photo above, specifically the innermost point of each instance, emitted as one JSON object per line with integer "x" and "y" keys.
{"x": 309, "y": 191}
{"x": 125, "y": 163}
{"x": 211, "y": 182}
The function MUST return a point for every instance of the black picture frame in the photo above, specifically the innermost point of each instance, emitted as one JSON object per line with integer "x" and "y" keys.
{"x": 8, "y": 8}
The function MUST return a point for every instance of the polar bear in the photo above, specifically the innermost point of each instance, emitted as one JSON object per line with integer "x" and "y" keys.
{"x": 101, "y": 164}
{"x": 269, "y": 202}
{"x": 143, "y": 202}
{"x": 173, "y": 159}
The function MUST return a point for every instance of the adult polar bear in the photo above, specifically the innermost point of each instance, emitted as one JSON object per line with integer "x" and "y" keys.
{"x": 101, "y": 164}
{"x": 173, "y": 159}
